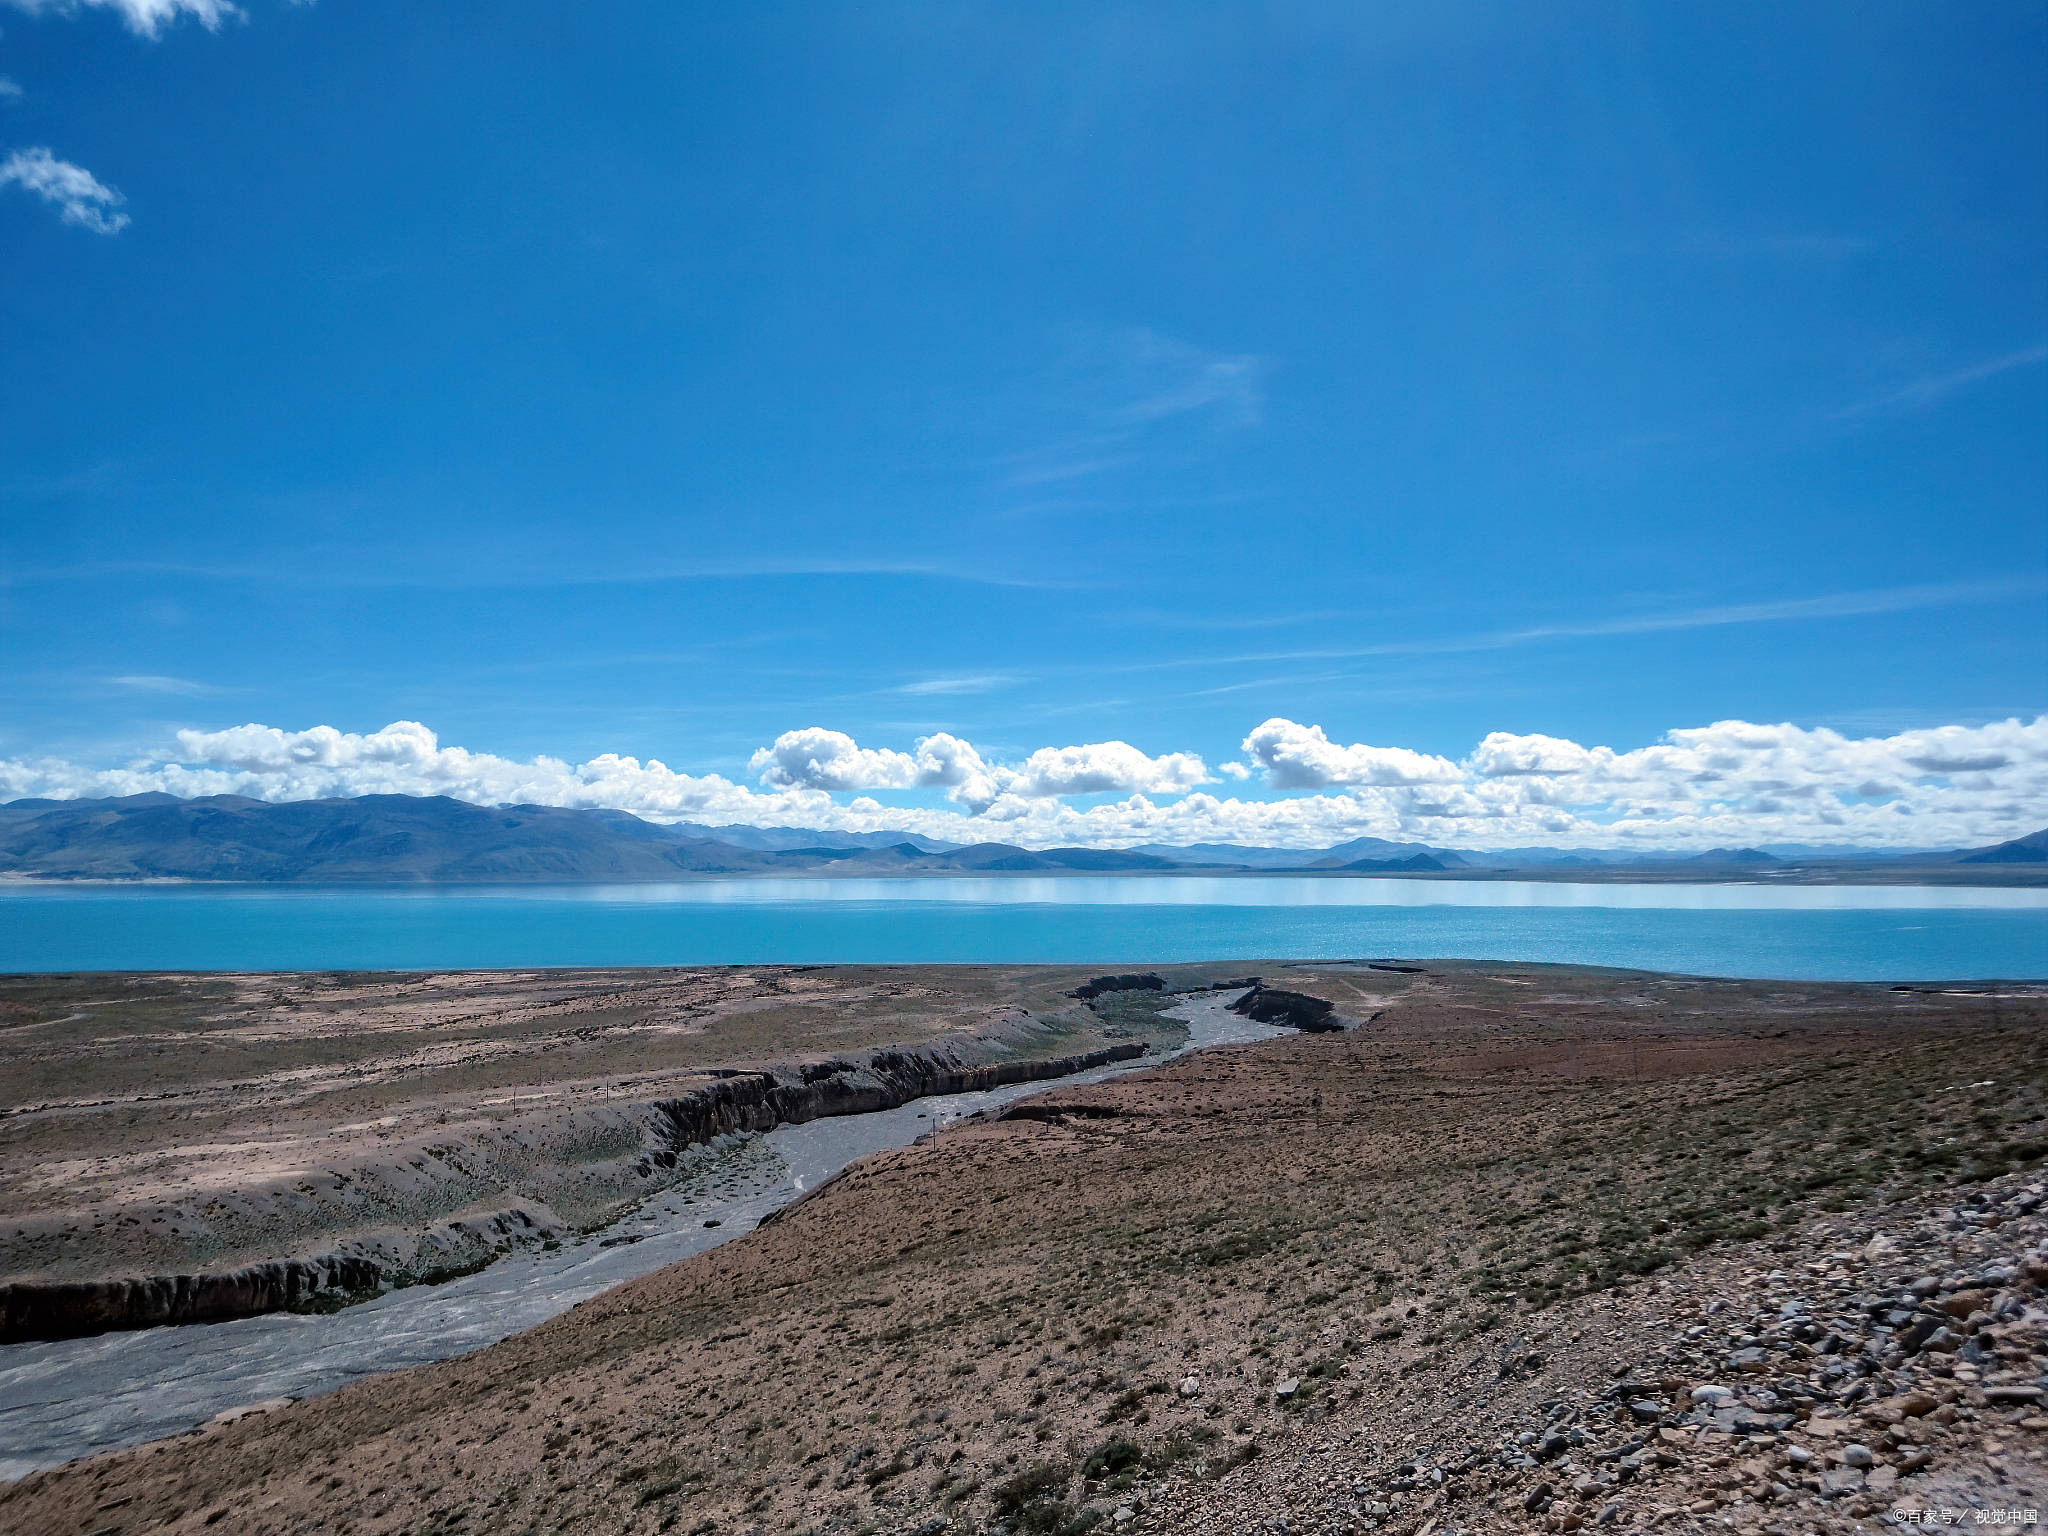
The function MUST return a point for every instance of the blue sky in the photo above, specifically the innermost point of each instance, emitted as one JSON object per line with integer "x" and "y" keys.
{"x": 657, "y": 379}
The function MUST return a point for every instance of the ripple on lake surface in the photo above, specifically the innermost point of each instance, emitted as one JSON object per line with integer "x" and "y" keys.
{"x": 1846, "y": 933}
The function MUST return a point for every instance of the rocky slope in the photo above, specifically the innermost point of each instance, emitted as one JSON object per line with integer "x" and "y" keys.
{"x": 1885, "y": 1370}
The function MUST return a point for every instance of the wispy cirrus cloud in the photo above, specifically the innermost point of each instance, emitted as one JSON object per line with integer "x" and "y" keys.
{"x": 1192, "y": 619}
{"x": 148, "y": 682}
{"x": 947, "y": 687}
{"x": 1931, "y": 389}
{"x": 1167, "y": 378}
{"x": 9, "y": 89}
{"x": 454, "y": 575}
{"x": 1121, "y": 399}
{"x": 935, "y": 569}
{"x": 1835, "y": 605}
{"x": 80, "y": 197}
{"x": 1067, "y": 463}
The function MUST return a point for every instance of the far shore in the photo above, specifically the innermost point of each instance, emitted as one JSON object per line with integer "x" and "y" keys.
{"x": 1948, "y": 876}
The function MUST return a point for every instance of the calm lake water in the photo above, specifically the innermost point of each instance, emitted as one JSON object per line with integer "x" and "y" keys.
{"x": 1890, "y": 933}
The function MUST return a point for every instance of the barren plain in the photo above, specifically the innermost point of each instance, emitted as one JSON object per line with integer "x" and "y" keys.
{"x": 395, "y": 1127}
{"x": 1522, "y": 1249}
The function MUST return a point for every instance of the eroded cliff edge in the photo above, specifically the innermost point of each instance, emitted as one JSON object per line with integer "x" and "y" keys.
{"x": 594, "y": 1161}
{"x": 188, "y": 1147}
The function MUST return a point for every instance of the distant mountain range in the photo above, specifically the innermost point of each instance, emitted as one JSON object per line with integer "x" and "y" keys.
{"x": 1359, "y": 853}
{"x": 409, "y": 838}
{"x": 788, "y": 839}
{"x": 403, "y": 837}
{"x": 2031, "y": 849}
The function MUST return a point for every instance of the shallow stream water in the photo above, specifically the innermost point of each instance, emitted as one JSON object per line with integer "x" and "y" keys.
{"x": 71, "y": 1397}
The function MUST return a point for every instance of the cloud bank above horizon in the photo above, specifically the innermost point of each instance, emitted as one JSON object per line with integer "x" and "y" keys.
{"x": 1726, "y": 784}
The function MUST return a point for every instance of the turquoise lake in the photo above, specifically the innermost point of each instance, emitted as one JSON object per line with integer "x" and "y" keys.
{"x": 1888, "y": 933}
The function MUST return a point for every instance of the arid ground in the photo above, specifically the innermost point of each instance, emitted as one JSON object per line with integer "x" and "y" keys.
{"x": 154, "y": 1125}
{"x": 1525, "y": 1249}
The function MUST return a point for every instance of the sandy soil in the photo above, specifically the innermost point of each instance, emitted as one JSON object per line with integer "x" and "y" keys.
{"x": 1508, "y": 1191}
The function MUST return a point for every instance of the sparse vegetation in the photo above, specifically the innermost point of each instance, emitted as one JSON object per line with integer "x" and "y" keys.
{"x": 1352, "y": 1212}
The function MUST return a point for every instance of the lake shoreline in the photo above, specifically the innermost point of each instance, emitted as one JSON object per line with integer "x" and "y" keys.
{"x": 1990, "y": 877}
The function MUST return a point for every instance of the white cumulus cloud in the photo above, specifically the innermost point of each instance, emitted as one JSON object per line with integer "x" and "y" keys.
{"x": 1727, "y": 784}
{"x": 1733, "y": 762}
{"x": 1302, "y": 757}
{"x": 81, "y": 197}
{"x": 816, "y": 758}
{"x": 1105, "y": 765}
{"x": 144, "y": 17}
{"x": 406, "y": 758}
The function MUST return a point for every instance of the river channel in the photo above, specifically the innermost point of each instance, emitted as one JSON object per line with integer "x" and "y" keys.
{"x": 71, "y": 1397}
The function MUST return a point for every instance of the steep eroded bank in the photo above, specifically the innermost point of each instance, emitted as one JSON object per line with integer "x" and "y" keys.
{"x": 257, "y": 1143}
{"x": 610, "y": 1158}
